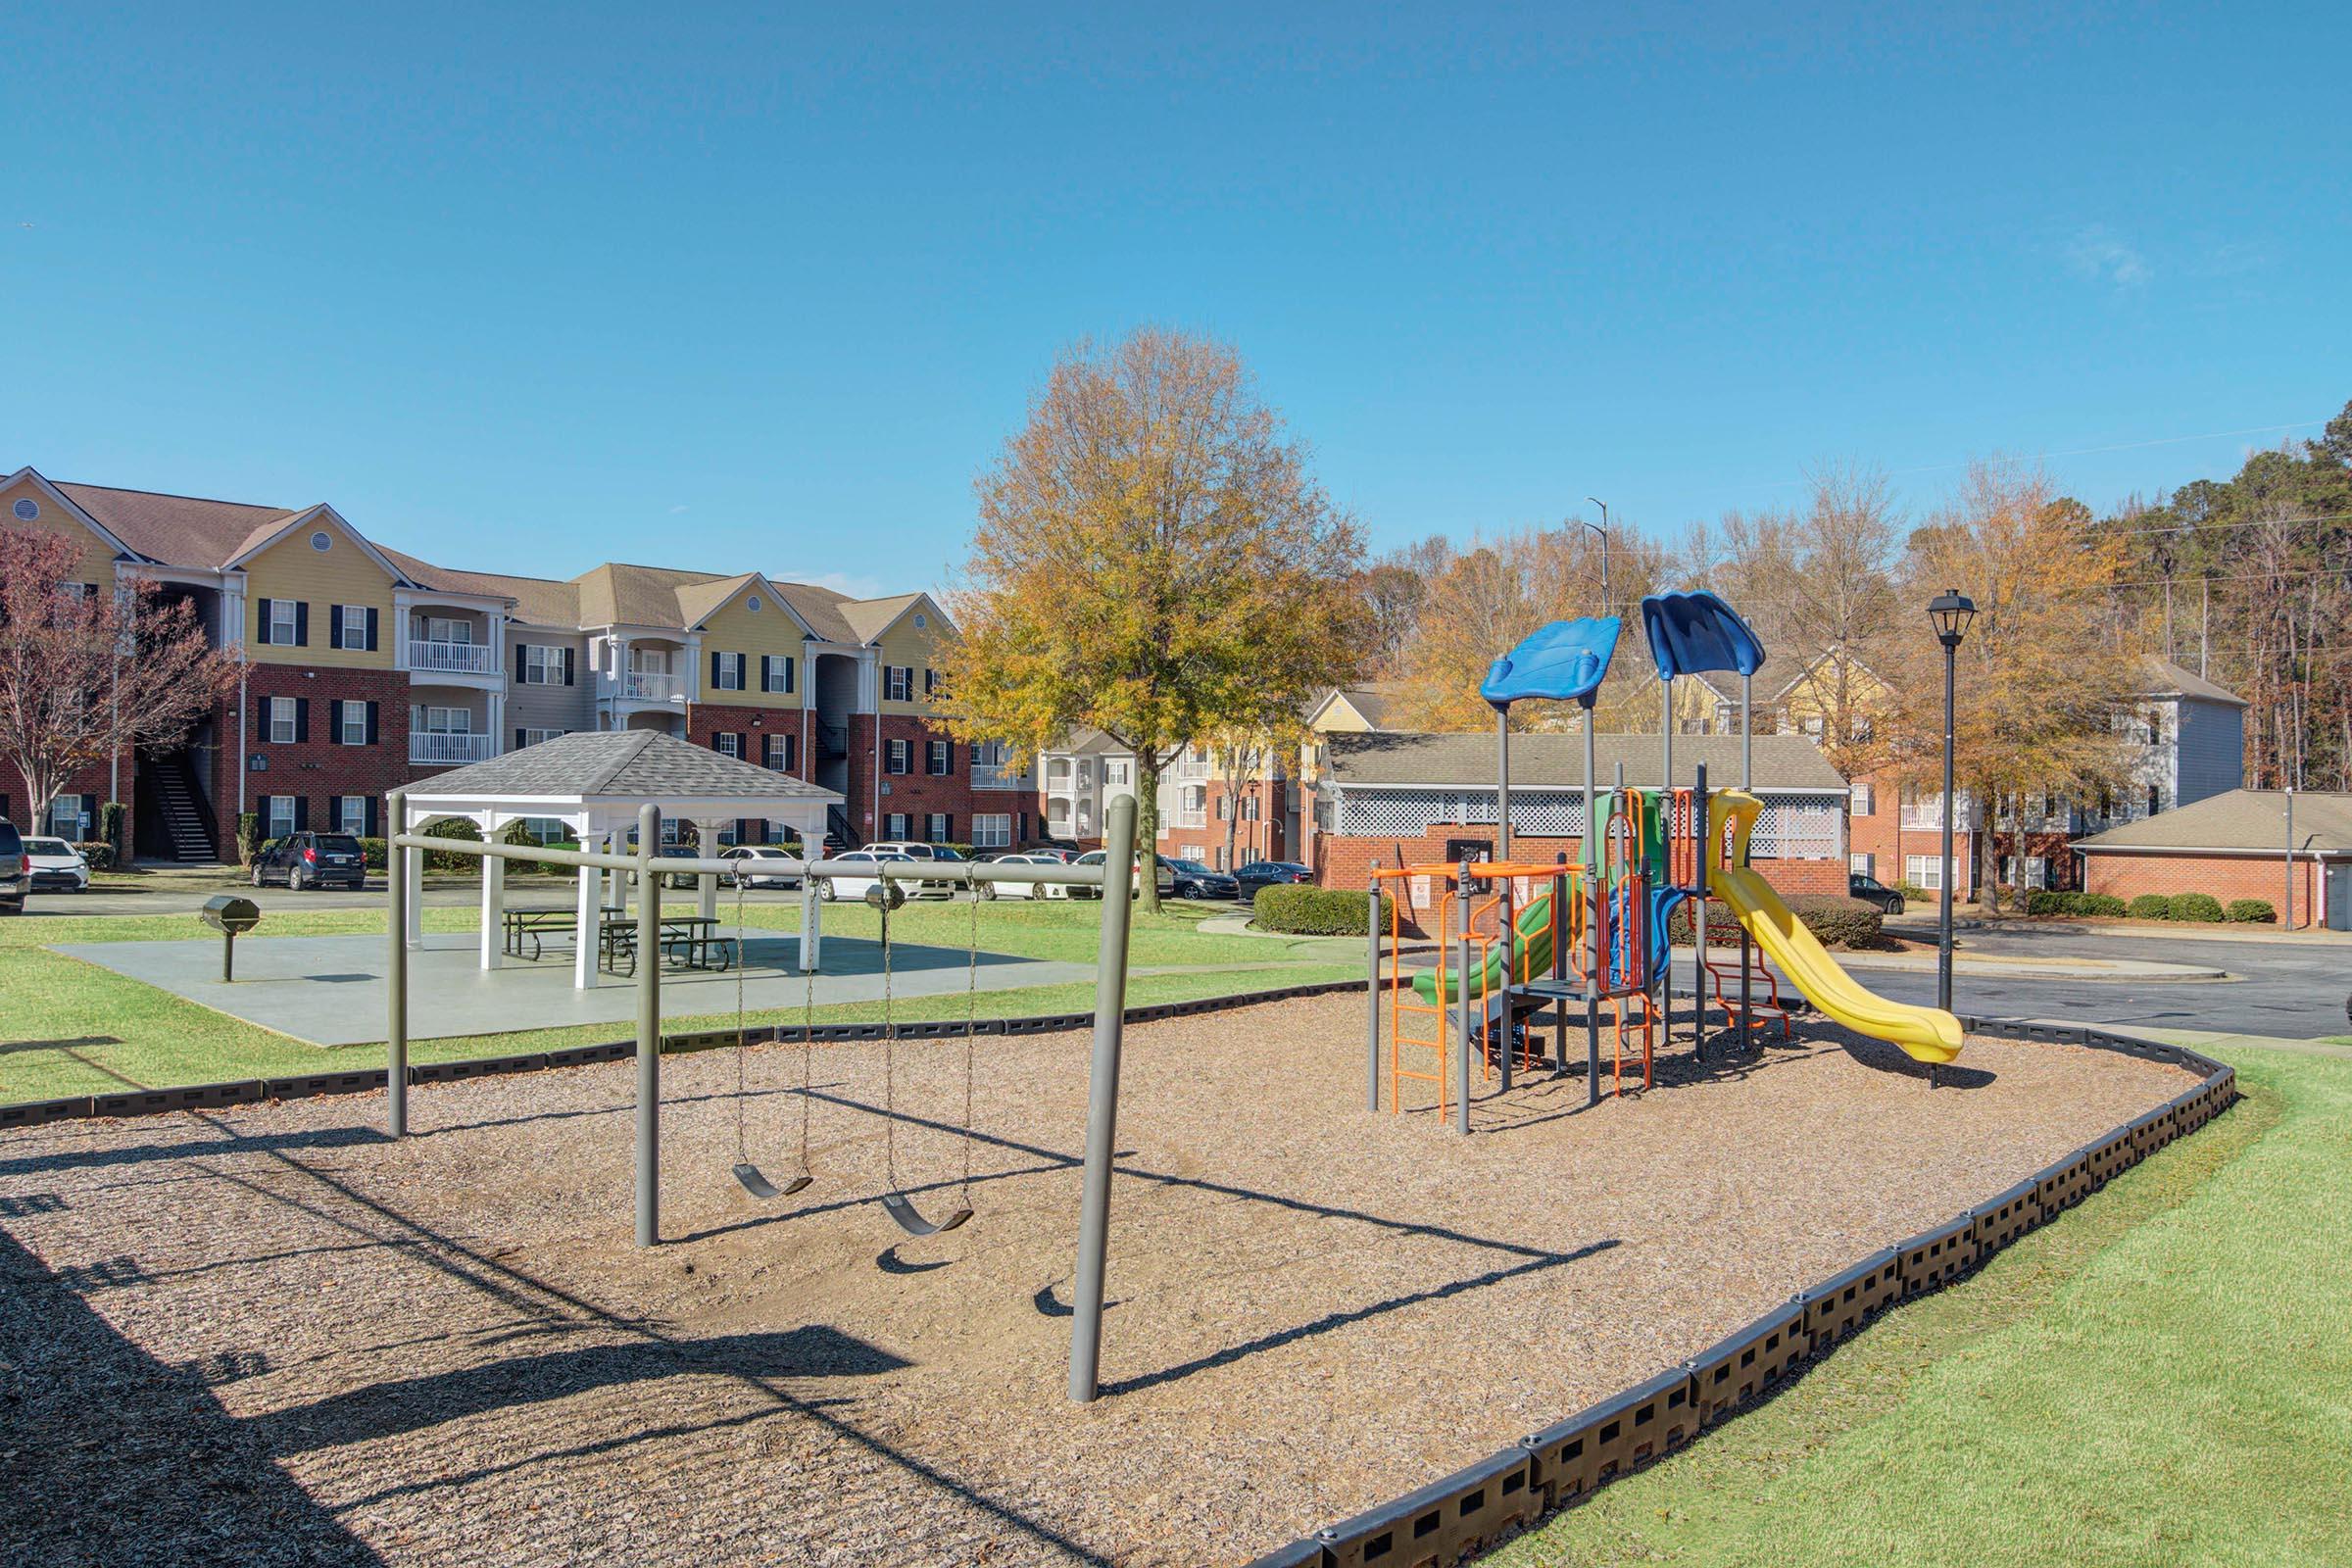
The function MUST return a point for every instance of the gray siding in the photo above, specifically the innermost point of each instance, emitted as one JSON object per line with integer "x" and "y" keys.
{"x": 532, "y": 706}
{"x": 2212, "y": 751}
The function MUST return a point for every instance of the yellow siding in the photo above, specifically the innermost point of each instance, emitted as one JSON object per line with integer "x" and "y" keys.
{"x": 1341, "y": 718}
{"x": 913, "y": 647}
{"x": 736, "y": 629}
{"x": 97, "y": 560}
{"x": 339, "y": 575}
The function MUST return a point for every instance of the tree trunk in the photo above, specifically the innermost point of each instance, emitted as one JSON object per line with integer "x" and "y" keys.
{"x": 1146, "y": 831}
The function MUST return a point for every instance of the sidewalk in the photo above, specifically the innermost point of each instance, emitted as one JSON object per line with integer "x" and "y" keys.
{"x": 1924, "y": 930}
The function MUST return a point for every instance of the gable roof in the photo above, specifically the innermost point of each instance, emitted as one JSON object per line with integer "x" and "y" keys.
{"x": 870, "y": 618}
{"x": 1371, "y": 701}
{"x": 2168, "y": 679}
{"x": 1400, "y": 759}
{"x": 2241, "y": 822}
{"x": 624, "y": 765}
{"x": 179, "y": 530}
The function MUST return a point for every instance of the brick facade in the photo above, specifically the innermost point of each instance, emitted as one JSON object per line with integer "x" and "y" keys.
{"x": 1266, "y": 837}
{"x": 754, "y": 728}
{"x": 90, "y": 786}
{"x": 2225, "y": 876}
{"x": 318, "y": 768}
{"x": 916, "y": 792}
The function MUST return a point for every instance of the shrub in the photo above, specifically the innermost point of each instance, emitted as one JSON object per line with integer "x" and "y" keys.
{"x": 249, "y": 837}
{"x": 1835, "y": 921}
{"x": 553, "y": 868}
{"x": 452, "y": 827}
{"x": 2150, "y": 907}
{"x": 2106, "y": 903}
{"x": 2200, "y": 906}
{"x": 2251, "y": 911}
{"x": 1910, "y": 889}
{"x": 101, "y": 855}
{"x": 114, "y": 826}
{"x": 1299, "y": 910}
{"x": 2047, "y": 902}
{"x": 376, "y": 854}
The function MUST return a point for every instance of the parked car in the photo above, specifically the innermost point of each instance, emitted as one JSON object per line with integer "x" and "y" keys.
{"x": 16, "y": 871}
{"x": 1197, "y": 881}
{"x": 1165, "y": 878}
{"x": 855, "y": 887}
{"x": 751, "y": 874}
{"x": 311, "y": 860}
{"x": 55, "y": 863}
{"x": 1030, "y": 890}
{"x": 909, "y": 850}
{"x": 1055, "y": 848}
{"x": 1266, "y": 873}
{"x": 1870, "y": 890}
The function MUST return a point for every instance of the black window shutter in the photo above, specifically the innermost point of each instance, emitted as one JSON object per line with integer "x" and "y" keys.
{"x": 372, "y": 723}
{"x": 519, "y": 740}
{"x": 792, "y": 754}
{"x": 265, "y": 620}
{"x": 334, "y": 625}
{"x": 567, "y": 677}
{"x": 765, "y": 659}
{"x": 370, "y": 809}
{"x": 302, "y": 623}
{"x": 927, "y": 680}
{"x": 790, "y": 661}
{"x": 714, "y": 669}
{"x": 302, "y": 718}
{"x": 373, "y": 628}
{"x": 334, "y": 720}
{"x": 519, "y": 651}
{"x": 301, "y": 812}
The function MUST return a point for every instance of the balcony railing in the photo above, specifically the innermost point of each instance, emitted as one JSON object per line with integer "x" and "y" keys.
{"x": 451, "y": 659}
{"x": 1198, "y": 818}
{"x": 435, "y": 747}
{"x": 986, "y": 776}
{"x": 646, "y": 686}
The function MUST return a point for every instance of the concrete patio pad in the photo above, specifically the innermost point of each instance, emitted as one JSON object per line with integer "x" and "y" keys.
{"x": 331, "y": 991}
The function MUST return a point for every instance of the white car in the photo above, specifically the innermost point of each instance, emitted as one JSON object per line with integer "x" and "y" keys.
{"x": 751, "y": 875}
{"x": 908, "y": 850}
{"x": 1028, "y": 890}
{"x": 854, "y": 886}
{"x": 1135, "y": 880}
{"x": 56, "y": 866}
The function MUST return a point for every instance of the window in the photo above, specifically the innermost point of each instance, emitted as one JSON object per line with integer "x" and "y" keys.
{"x": 547, "y": 829}
{"x": 351, "y": 625}
{"x": 282, "y": 721}
{"x": 283, "y": 629}
{"x": 1249, "y": 808}
{"x": 783, "y": 753}
{"x": 930, "y": 680}
{"x": 1224, "y": 808}
{"x": 939, "y": 827}
{"x": 320, "y": 542}
{"x": 897, "y": 683}
{"x": 1924, "y": 871}
{"x": 1863, "y": 800}
{"x": 920, "y": 621}
{"x": 1862, "y": 865}
{"x": 938, "y": 756}
{"x": 67, "y": 820}
{"x": 2155, "y": 799}
{"x": 350, "y": 814}
{"x": 529, "y": 736}
{"x": 279, "y": 811}
{"x": 447, "y": 721}
{"x": 753, "y": 604}
{"x": 894, "y": 757}
{"x": 776, "y": 673}
{"x": 353, "y": 731}
{"x": 727, "y": 744}
{"x": 444, "y": 629}
{"x": 894, "y": 825}
{"x": 992, "y": 831}
{"x": 1114, "y": 772}
{"x": 541, "y": 665}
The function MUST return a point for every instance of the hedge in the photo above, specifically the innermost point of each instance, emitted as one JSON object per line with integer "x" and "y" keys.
{"x": 2057, "y": 902}
{"x": 2251, "y": 911}
{"x": 2106, "y": 903}
{"x": 2198, "y": 906}
{"x": 1835, "y": 921}
{"x": 100, "y": 854}
{"x": 2151, "y": 907}
{"x": 1298, "y": 910}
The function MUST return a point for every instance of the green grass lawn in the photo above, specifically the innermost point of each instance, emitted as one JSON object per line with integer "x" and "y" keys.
{"x": 69, "y": 1027}
{"x": 2162, "y": 1376}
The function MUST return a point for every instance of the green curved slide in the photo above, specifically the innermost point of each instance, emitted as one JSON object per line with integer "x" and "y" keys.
{"x": 1530, "y": 956}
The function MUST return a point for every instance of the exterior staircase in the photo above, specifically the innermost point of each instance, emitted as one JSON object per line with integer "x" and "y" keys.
{"x": 183, "y": 825}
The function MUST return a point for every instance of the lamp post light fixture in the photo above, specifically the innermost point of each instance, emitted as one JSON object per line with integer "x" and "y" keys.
{"x": 1949, "y": 612}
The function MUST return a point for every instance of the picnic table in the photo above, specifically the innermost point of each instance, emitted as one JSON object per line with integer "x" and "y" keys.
{"x": 528, "y": 925}
{"x": 688, "y": 942}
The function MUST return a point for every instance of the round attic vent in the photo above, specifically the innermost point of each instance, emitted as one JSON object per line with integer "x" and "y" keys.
{"x": 320, "y": 542}
{"x": 754, "y": 602}
{"x": 26, "y": 510}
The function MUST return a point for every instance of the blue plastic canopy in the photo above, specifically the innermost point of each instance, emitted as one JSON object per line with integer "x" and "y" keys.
{"x": 1690, "y": 633}
{"x": 1564, "y": 661}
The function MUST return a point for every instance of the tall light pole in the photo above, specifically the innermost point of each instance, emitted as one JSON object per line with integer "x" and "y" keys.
{"x": 1949, "y": 612}
{"x": 1602, "y": 528}
{"x": 2287, "y": 910}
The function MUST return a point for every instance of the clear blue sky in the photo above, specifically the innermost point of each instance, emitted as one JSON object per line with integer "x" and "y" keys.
{"x": 529, "y": 293}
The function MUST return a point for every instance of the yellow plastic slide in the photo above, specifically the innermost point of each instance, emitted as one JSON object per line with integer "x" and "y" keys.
{"x": 1929, "y": 1034}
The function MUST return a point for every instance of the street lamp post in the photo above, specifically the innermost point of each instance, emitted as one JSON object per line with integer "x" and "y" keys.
{"x": 1602, "y": 528}
{"x": 1949, "y": 612}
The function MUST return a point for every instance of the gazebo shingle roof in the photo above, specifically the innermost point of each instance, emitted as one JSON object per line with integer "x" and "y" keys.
{"x": 633, "y": 763}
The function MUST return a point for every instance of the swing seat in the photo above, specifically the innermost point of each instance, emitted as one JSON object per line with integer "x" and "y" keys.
{"x": 756, "y": 1183}
{"x": 910, "y": 1220}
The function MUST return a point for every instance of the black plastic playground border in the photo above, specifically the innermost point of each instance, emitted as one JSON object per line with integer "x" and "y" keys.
{"x": 360, "y": 1081}
{"x": 1479, "y": 1507}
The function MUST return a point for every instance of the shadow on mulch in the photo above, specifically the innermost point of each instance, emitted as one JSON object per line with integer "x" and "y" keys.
{"x": 120, "y": 1458}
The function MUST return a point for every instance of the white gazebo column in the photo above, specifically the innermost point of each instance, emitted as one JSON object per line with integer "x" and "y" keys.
{"x": 494, "y": 907}
{"x": 587, "y": 934}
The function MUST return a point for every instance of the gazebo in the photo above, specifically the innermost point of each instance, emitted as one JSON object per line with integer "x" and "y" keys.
{"x": 593, "y": 782}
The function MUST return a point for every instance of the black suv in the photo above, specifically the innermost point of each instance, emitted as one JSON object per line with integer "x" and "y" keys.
{"x": 16, "y": 871}
{"x": 1870, "y": 890}
{"x": 311, "y": 860}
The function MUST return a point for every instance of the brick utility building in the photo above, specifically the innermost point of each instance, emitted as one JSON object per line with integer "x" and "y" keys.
{"x": 1390, "y": 799}
{"x": 2237, "y": 846}
{"x": 364, "y": 668}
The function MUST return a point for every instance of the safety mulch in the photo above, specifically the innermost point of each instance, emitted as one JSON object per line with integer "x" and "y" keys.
{"x": 272, "y": 1335}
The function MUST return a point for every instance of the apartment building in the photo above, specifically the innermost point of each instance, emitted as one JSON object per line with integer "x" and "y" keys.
{"x": 1205, "y": 815}
{"x": 364, "y": 668}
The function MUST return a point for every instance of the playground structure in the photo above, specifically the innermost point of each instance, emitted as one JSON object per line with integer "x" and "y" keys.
{"x": 1517, "y": 939}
